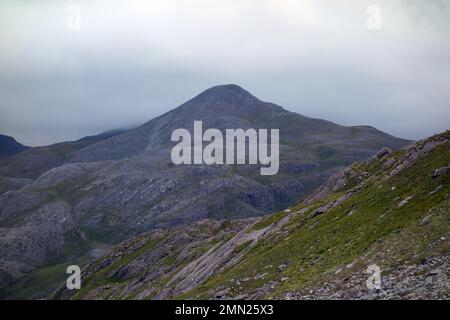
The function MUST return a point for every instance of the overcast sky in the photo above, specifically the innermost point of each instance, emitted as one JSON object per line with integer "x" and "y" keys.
{"x": 132, "y": 60}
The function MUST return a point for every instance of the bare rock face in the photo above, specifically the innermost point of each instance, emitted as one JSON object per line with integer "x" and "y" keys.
{"x": 427, "y": 280}
{"x": 383, "y": 153}
{"x": 353, "y": 176}
{"x": 11, "y": 184}
{"x": 418, "y": 151}
{"x": 337, "y": 182}
{"x": 26, "y": 246}
{"x": 109, "y": 189}
{"x": 440, "y": 171}
{"x": 43, "y": 231}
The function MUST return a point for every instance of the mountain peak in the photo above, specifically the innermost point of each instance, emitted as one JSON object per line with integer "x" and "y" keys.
{"x": 226, "y": 100}
{"x": 227, "y": 88}
{"x": 225, "y": 94}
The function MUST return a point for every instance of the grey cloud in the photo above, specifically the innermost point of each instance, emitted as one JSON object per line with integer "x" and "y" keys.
{"x": 132, "y": 61}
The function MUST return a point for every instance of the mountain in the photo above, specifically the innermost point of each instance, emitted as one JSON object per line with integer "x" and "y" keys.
{"x": 69, "y": 200}
{"x": 103, "y": 135}
{"x": 16, "y": 171}
{"x": 392, "y": 211}
{"x": 9, "y": 146}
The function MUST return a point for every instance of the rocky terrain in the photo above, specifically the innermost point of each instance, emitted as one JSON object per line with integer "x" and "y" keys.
{"x": 392, "y": 211}
{"x": 67, "y": 202}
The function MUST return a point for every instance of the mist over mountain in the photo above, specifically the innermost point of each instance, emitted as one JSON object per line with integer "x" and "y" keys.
{"x": 62, "y": 202}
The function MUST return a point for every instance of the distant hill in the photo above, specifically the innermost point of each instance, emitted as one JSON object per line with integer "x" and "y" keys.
{"x": 104, "y": 135}
{"x": 9, "y": 146}
{"x": 37, "y": 160}
{"x": 392, "y": 211}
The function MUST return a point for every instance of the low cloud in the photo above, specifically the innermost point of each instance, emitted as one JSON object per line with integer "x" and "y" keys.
{"x": 133, "y": 60}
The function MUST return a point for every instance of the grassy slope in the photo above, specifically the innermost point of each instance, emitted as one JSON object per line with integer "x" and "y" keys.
{"x": 314, "y": 248}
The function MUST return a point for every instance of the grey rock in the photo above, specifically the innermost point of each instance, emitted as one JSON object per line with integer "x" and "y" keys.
{"x": 383, "y": 153}
{"x": 440, "y": 171}
{"x": 426, "y": 219}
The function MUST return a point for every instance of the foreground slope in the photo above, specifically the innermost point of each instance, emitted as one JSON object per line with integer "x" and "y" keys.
{"x": 82, "y": 196}
{"x": 392, "y": 210}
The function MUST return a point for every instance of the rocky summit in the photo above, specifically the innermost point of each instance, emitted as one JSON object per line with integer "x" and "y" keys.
{"x": 69, "y": 202}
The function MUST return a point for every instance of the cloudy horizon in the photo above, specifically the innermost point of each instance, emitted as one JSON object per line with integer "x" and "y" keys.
{"x": 127, "y": 62}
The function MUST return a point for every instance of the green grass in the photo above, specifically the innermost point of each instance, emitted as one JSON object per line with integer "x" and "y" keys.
{"x": 269, "y": 220}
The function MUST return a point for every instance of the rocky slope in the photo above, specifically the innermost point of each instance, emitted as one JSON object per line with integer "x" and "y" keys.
{"x": 392, "y": 211}
{"x": 58, "y": 203}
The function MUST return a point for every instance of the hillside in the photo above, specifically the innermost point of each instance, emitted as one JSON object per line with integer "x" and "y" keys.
{"x": 35, "y": 161}
{"x": 61, "y": 203}
{"x": 391, "y": 210}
